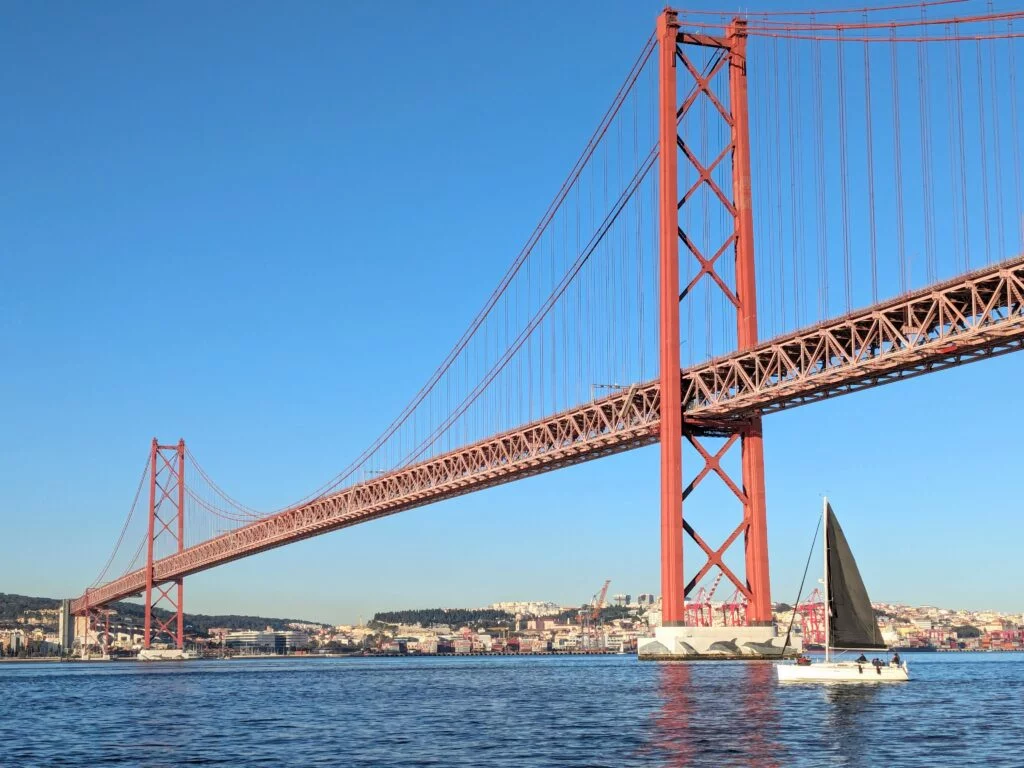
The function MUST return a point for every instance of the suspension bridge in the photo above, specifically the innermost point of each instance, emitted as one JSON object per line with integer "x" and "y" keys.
{"x": 775, "y": 209}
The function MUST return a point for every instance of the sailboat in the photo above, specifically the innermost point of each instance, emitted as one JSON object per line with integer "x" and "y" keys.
{"x": 849, "y": 621}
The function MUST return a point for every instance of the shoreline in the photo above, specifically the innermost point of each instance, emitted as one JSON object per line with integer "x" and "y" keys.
{"x": 477, "y": 654}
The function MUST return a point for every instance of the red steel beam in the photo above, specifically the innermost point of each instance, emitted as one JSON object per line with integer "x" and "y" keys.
{"x": 671, "y": 432}
{"x": 969, "y": 318}
{"x": 755, "y": 516}
{"x": 148, "y": 620}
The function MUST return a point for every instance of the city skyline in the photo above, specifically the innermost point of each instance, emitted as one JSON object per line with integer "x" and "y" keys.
{"x": 278, "y": 344}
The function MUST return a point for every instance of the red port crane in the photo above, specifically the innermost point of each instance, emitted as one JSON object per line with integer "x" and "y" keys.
{"x": 734, "y": 610}
{"x": 813, "y": 618}
{"x": 591, "y": 618}
{"x": 698, "y": 612}
{"x": 599, "y": 602}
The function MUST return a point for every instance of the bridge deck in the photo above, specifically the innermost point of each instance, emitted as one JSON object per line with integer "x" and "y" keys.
{"x": 978, "y": 315}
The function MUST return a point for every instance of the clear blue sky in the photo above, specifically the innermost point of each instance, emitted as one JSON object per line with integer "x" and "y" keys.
{"x": 260, "y": 227}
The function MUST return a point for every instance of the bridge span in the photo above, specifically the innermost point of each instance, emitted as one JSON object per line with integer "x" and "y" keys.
{"x": 959, "y": 321}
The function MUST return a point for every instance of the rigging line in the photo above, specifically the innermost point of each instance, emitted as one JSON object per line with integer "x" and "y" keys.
{"x": 124, "y": 528}
{"x": 136, "y": 557}
{"x": 690, "y": 266}
{"x": 869, "y": 135}
{"x": 795, "y": 189}
{"x": 898, "y": 159}
{"x": 1019, "y": 212}
{"x": 608, "y": 364}
{"x": 963, "y": 160}
{"x": 242, "y": 508}
{"x": 529, "y": 355}
{"x": 800, "y": 591}
{"x": 832, "y": 11}
{"x": 221, "y": 513}
{"x": 819, "y": 185}
{"x": 572, "y": 179}
{"x": 551, "y": 301}
{"x": 592, "y": 280}
{"x": 924, "y": 121}
{"x": 882, "y": 39}
{"x": 622, "y": 272}
{"x": 769, "y": 27}
{"x": 639, "y": 207}
{"x": 553, "y": 370}
{"x": 951, "y": 143}
{"x": 777, "y": 142}
{"x": 767, "y": 231}
{"x": 997, "y": 156}
{"x": 575, "y": 291}
{"x": 983, "y": 148}
{"x": 564, "y": 324}
{"x": 727, "y": 226}
{"x": 844, "y": 174}
{"x": 722, "y": 315}
{"x": 706, "y": 239}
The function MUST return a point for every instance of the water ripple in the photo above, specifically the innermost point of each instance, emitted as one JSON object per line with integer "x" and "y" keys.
{"x": 605, "y": 711}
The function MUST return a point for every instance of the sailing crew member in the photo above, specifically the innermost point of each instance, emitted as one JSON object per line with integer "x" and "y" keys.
{"x": 862, "y": 659}
{"x": 895, "y": 659}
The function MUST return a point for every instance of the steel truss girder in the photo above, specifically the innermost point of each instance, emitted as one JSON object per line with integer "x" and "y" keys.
{"x": 625, "y": 420}
{"x": 976, "y": 316}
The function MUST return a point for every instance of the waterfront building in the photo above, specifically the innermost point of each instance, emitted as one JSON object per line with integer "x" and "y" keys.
{"x": 268, "y": 641}
{"x": 65, "y": 627}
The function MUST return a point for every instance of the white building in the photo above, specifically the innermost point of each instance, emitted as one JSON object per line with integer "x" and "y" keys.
{"x": 527, "y": 607}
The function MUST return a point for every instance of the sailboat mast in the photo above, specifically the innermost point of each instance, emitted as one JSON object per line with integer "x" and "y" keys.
{"x": 824, "y": 542}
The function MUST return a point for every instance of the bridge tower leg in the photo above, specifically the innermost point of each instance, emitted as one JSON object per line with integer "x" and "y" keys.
{"x": 759, "y": 608}
{"x": 673, "y": 149}
{"x": 166, "y": 522}
{"x": 672, "y": 599}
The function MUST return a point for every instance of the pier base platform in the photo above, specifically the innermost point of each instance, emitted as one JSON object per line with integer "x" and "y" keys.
{"x": 716, "y": 643}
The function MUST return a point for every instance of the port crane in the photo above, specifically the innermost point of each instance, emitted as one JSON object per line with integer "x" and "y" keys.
{"x": 698, "y": 612}
{"x": 812, "y": 614}
{"x": 591, "y": 618}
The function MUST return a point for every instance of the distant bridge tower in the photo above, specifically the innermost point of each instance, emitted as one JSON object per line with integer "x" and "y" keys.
{"x": 673, "y": 149}
{"x": 166, "y": 523}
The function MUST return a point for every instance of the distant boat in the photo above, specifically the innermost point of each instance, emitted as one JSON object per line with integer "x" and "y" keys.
{"x": 849, "y": 621}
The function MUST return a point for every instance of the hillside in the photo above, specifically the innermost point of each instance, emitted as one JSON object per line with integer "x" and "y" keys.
{"x": 14, "y": 606}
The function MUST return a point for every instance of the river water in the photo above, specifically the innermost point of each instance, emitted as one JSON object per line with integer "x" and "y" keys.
{"x": 958, "y": 710}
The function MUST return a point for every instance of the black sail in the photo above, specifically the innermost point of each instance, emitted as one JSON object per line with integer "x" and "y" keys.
{"x": 852, "y": 622}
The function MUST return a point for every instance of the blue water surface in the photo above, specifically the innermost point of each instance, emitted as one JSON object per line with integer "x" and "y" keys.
{"x": 959, "y": 710}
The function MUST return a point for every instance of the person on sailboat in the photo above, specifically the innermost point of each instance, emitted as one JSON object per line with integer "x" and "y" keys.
{"x": 895, "y": 659}
{"x": 862, "y": 659}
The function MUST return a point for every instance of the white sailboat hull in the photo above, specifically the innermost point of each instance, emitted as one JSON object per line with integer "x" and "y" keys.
{"x": 841, "y": 672}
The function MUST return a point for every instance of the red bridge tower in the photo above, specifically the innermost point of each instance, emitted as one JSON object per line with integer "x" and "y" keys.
{"x": 673, "y": 60}
{"x": 167, "y": 520}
